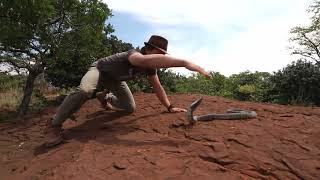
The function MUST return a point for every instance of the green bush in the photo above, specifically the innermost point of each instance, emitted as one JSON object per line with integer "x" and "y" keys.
{"x": 247, "y": 92}
{"x": 247, "y": 86}
{"x": 197, "y": 83}
{"x": 168, "y": 79}
{"x": 298, "y": 83}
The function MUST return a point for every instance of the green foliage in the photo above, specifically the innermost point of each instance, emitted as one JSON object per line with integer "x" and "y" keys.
{"x": 249, "y": 86}
{"x": 308, "y": 37}
{"x": 5, "y": 116}
{"x": 39, "y": 100}
{"x": 113, "y": 45}
{"x": 8, "y": 82}
{"x": 168, "y": 79}
{"x": 60, "y": 37}
{"x": 63, "y": 37}
{"x": 60, "y": 75}
{"x": 243, "y": 86}
{"x": 140, "y": 84}
{"x": 10, "y": 90}
{"x": 82, "y": 42}
{"x": 197, "y": 83}
{"x": 298, "y": 83}
{"x": 247, "y": 92}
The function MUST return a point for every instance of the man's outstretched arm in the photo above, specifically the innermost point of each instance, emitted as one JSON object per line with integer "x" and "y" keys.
{"x": 155, "y": 61}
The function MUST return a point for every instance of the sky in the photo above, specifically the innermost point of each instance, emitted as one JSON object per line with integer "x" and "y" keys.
{"x": 228, "y": 36}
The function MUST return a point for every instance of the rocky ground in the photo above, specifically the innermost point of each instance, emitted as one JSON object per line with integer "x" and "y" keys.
{"x": 283, "y": 142}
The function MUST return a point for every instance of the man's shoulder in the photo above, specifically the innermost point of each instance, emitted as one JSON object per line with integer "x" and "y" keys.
{"x": 125, "y": 54}
{"x": 132, "y": 51}
{"x": 119, "y": 55}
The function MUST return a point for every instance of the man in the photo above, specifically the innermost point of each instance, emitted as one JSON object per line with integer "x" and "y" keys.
{"x": 111, "y": 73}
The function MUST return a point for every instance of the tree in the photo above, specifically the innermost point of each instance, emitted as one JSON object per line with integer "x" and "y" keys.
{"x": 68, "y": 73}
{"x": 113, "y": 45}
{"x": 308, "y": 37}
{"x": 298, "y": 83}
{"x": 43, "y": 35}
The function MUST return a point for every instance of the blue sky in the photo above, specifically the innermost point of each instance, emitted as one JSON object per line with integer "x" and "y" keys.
{"x": 229, "y": 36}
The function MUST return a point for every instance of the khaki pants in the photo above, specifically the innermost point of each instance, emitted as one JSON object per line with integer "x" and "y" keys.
{"x": 92, "y": 82}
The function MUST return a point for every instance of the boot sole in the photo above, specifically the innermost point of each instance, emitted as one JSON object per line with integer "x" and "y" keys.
{"x": 54, "y": 143}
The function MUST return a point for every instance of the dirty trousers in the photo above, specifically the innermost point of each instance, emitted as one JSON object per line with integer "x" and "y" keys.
{"x": 92, "y": 82}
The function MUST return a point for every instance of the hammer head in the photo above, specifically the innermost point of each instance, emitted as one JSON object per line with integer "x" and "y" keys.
{"x": 192, "y": 108}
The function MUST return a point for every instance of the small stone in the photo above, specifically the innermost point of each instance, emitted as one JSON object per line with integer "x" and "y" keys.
{"x": 120, "y": 165}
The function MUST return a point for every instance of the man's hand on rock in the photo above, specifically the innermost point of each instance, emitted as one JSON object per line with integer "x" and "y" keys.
{"x": 176, "y": 110}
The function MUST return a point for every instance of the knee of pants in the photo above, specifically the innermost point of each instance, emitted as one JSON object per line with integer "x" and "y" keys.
{"x": 130, "y": 109}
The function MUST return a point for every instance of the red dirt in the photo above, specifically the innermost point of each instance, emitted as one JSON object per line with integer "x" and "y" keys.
{"x": 283, "y": 142}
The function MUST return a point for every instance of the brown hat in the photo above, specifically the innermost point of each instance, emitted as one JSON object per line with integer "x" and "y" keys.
{"x": 158, "y": 42}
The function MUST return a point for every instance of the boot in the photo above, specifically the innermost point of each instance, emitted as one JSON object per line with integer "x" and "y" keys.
{"x": 104, "y": 101}
{"x": 69, "y": 106}
{"x": 53, "y": 135}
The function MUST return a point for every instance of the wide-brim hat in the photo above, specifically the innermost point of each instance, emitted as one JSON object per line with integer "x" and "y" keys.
{"x": 158, "y": 42}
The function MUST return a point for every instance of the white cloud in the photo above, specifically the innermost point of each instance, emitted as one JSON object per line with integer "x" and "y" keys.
{"x": 259, "y": 46}
{"x": 262, "y": 48}
{"x": 207, "y": 13}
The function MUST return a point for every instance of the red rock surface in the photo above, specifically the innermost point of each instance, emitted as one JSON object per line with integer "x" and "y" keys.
{"x": 283, "y": 142}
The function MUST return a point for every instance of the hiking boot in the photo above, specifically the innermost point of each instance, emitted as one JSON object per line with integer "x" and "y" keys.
{"x": 104, "y": 102}
{"x": 53, "y": 135}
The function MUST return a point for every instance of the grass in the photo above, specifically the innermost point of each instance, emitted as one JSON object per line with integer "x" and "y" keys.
{"x": 5, "y": 116}
{"x": 9, "y": 102}
{"x": 11, "y": 98}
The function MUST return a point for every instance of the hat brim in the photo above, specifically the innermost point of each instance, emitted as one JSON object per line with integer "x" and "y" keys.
{"x": 164, "y": 51}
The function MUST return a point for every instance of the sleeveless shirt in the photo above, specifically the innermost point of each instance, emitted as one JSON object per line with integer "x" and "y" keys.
{"x": 118, "y": 67}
